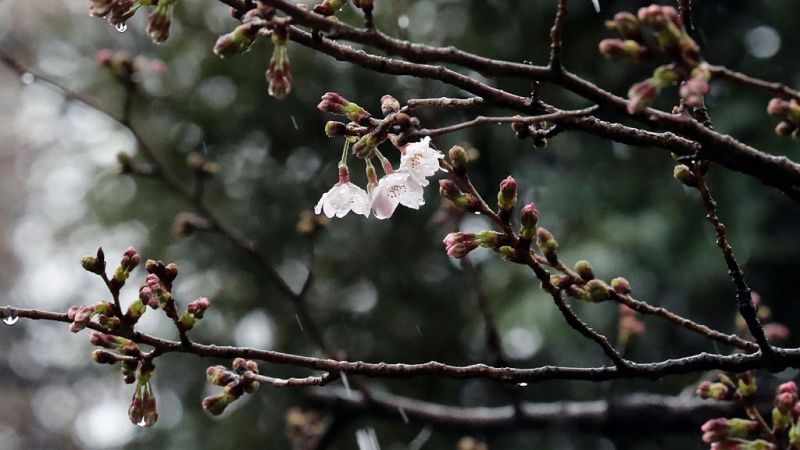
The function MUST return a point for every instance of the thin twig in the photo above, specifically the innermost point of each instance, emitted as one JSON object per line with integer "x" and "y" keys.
{"x": 487, "y": 120}
{"x": 778, "y": 89}
{"x": 445, "y": 102}
{"x": 743, "y": 292}
{"x": 555, "y": 36}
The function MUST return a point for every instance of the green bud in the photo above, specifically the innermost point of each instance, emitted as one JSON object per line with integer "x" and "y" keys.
{"x": 584, "y": 269}
{"x": 547, "y": 244}
{"x": 621, "y": 285}
{"x": 135, "y": 310}
{"x": 685, "y": 175}
{"x": 458, "y": 159}
{"x": 597, "y": 291}
{"x": 187, "y": 321}
{"x": 507, "y": 196}
{"x": 92, "y": 264}
{"x": 487, "y": 239}
{"x": 528, "y": 218}
{"x": 781, "y": 420}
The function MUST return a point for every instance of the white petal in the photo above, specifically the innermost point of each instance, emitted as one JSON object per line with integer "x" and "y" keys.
{"x": 343, "y": 198}
{"x": 421, "y": 161}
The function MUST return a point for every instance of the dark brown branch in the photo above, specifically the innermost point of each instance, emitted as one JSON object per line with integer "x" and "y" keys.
{"x": 486, "y": 120}
{"x": 736, "y": 363}
{"x": 743, "y": 292}
{"x": 445, "y": 102}
{"x": 776, "y": 171}
{"x": 160, "y": 171}
{"x": 778, "y": 89}
{"x": 645, "y": 308}
{"x": 637, "y": 413}
{"x": 573, "y": 320}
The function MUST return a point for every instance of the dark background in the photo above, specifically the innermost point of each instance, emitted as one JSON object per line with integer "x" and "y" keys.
{"x": 384, "y": 290}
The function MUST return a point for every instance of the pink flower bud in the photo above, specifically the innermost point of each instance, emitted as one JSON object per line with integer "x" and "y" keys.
{"x": 528, "y": 218}
{"x": 216, "y": 404}
{"x": 641, "y": 95}
{"x": 458, "y": 245}
{"x": 159, "y": 21}
{"x": 507, "y": 196}
{"x": 547, "y": 244}
{"x": 198, "y": 307}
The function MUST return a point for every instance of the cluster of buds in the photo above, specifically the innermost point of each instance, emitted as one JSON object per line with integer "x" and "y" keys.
{"x": 722, "y": 431}
{"x": 459, "y": 244}
{"x": 657, "y": 33}
{"x": 403, "y": 185}
{"x": 116, "y": 11}
{"x": 142, "y": 411}
{"x": 789, "y": 113}
{"x": 125, "y": 68}
{"x": 153, "y": 293}
{"x": 279, "y": 74}
{"x": 194, "y": 312}
{"x": 159, "y": 20}
{"x": 127, "y": 352}
{"x": 236, "y": 382}
{"x": 257, "y": 21}
{"x": 130, "y": 260}
{"x": 334, "y": 103}
{"x": 242, "y": 37}
{"x": 725, "y": 433}
{"x": 119, "y": 11}
{"x": 81, "y": 315}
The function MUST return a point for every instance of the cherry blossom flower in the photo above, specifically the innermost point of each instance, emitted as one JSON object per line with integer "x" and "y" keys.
{"x": 344, "y": 197}
{"x": 420, "y": 160}
{"x": 397, "y": 188}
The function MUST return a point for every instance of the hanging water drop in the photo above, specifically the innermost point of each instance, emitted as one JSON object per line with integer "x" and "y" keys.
{"x": 142, "y": 424}
{"x": 27, "y": 78}
{"x": 11, "y": 320}
{"x": 122, "y": 26}
{"x": 522, "y": 384}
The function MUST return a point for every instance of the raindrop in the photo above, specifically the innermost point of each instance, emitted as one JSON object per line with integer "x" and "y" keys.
{"x": 11, "y": 320}
{"x": 403, "y": 414}
{"x": 522, "y": 384}
{"x": 403, "y": 21}
{"x": 122, "y": 26}
{"x": 299, "y": 323}
{"x": 346, "y": 385}
{"x": 27, "y": 78}
{"x": 596, "y": 4}
{"x": 294, "y": 122}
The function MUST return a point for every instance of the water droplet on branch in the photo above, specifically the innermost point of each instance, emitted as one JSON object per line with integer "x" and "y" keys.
{"x": 27, "y": 78}
{"x": 11, "y": 320}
